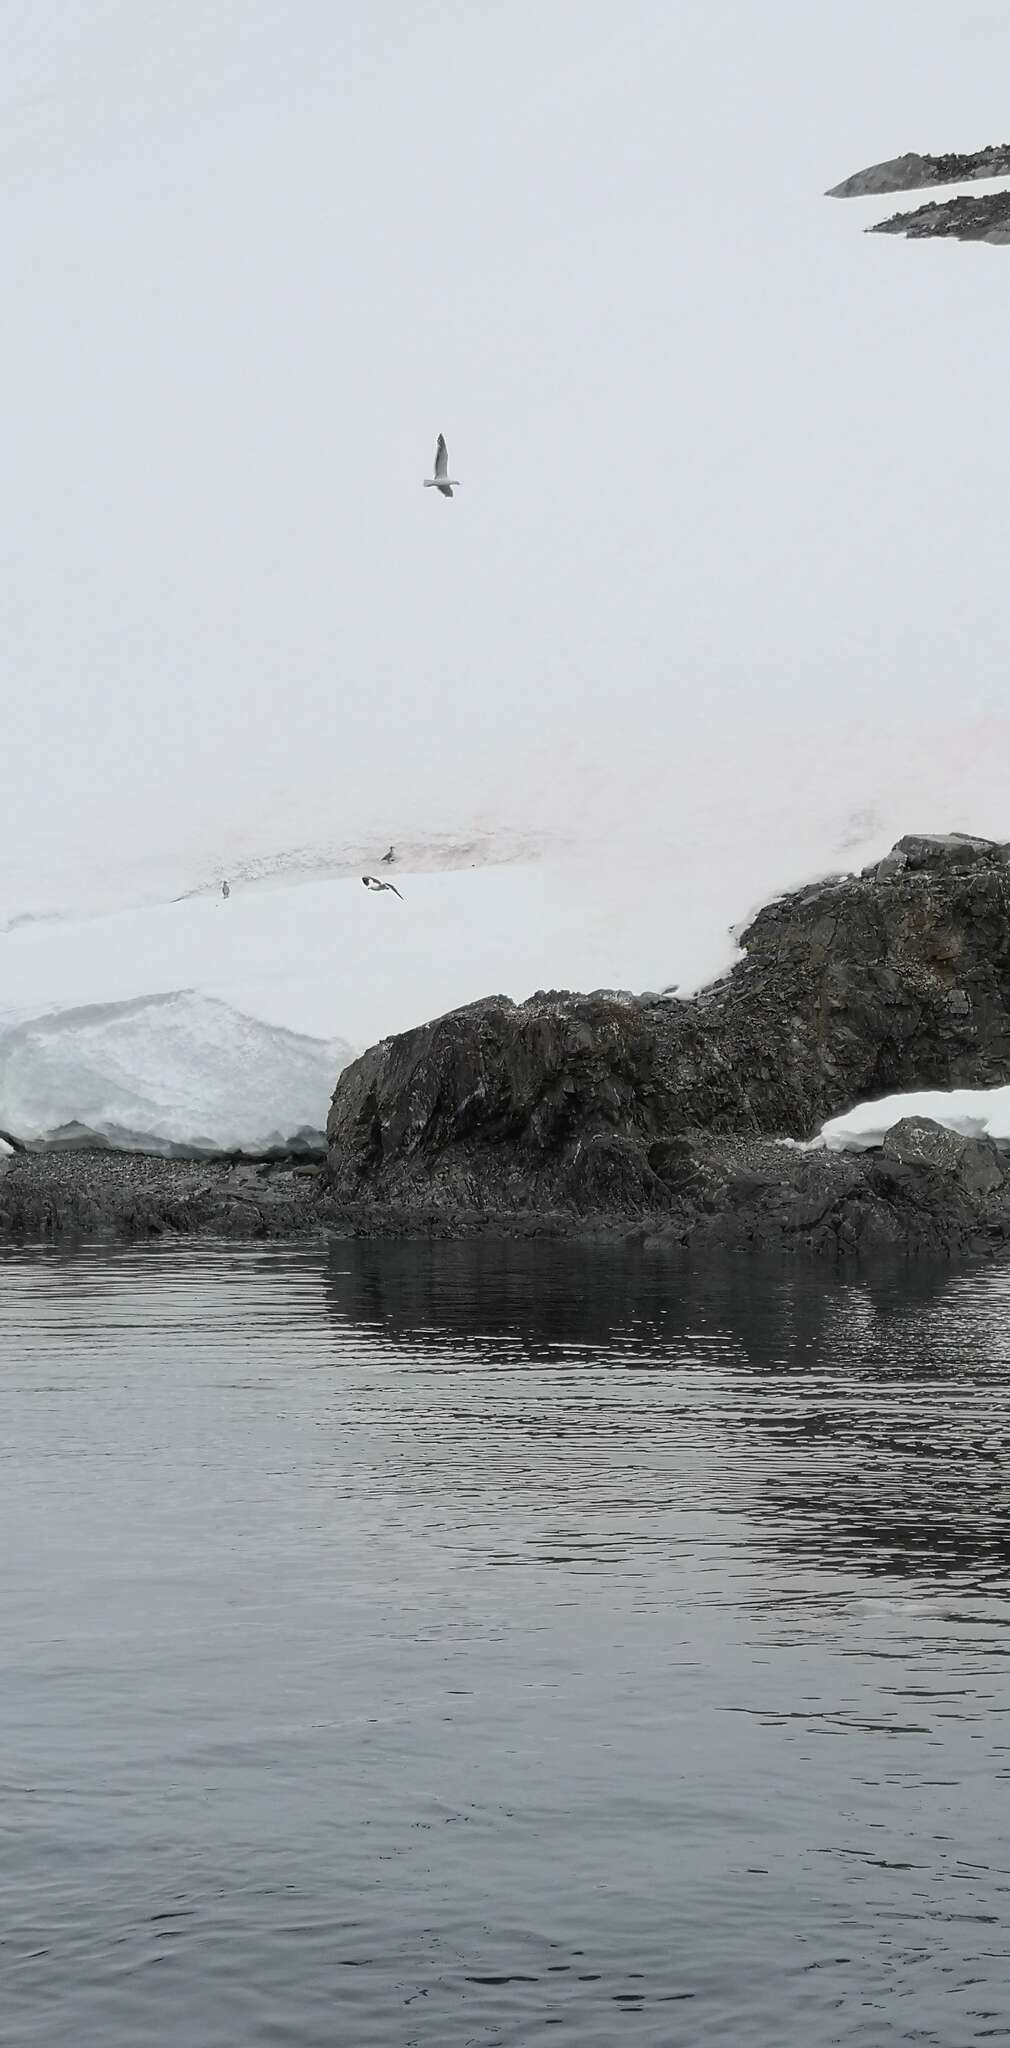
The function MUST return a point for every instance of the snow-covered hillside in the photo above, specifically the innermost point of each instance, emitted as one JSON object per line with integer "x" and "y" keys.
{"x": 179, "y": 1067}
{"x": 719, "y": 605}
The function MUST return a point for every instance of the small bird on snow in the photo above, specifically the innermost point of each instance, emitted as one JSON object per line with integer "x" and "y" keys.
{"x": 372, "y": 882}
{"x": 441, "y": 481}
{"x": 390, "y": 856}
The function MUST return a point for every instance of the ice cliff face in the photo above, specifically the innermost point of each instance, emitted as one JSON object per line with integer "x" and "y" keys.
{"x": 895, "y": 979}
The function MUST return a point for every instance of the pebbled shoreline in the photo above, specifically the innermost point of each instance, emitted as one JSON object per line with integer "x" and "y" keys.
{"x": 63, "y": 1195}
{"x": 741, "y": 1194}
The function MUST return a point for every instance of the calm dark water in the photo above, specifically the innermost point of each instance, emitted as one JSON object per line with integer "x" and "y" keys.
{"x": 466, "y": 1645}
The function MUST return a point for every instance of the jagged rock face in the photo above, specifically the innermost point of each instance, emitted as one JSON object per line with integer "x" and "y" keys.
{"x": 857, "y": 987}
{"x": 974, "y": 1163}
{"x": 895, "y": 979}
{"x": 494, "y": 1101}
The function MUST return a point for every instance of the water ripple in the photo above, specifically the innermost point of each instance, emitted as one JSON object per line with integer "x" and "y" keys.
{"x": 457, "y": 1644}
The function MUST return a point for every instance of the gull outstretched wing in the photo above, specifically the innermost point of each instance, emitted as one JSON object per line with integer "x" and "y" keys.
{"x": 441, "y": 457}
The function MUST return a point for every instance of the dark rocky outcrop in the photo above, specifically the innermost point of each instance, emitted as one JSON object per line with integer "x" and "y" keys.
{"x": 975, "y": 1164}
{"x": 713, "y": 1194}
{"x": 755, "y": 1195}
{"x": 607, "y": 1106}
{"x": 980, "y": 217}
{"x": 856, "y": 987}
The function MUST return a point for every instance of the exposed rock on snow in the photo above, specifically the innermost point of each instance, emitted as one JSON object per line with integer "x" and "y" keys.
{"x": 974, "y": 217}
{"x": 980, "y": 217}
{"x": 162, "y": 1070}
{"x": 910, "y": 172}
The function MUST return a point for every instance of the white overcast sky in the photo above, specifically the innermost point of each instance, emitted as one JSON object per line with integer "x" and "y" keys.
{"x": 734, "y": 502}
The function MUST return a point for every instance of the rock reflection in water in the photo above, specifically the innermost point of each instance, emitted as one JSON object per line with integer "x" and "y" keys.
{"x": 457, "y": 1643}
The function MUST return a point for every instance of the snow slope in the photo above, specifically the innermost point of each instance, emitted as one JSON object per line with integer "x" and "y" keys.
{"x": 180, "y": 1067}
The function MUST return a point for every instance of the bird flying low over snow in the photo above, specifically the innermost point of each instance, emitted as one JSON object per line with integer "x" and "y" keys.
{"x": 372, "y": 882}
{"x": 441, "y": 481}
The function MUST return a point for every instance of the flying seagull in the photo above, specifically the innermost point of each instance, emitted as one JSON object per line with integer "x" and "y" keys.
{"x": 372, "y": 882}
{"x": 441, "y": 481}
